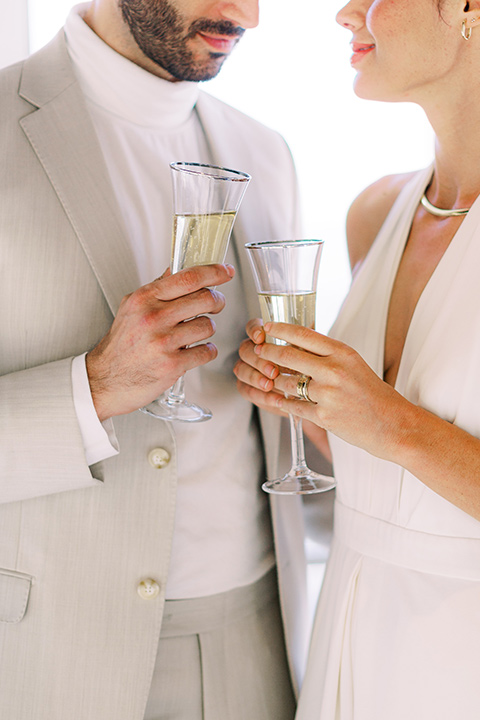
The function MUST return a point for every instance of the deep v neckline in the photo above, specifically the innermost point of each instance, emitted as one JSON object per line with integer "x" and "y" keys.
{"x": 428, "y": 289}
{"x": 362, "y": 319}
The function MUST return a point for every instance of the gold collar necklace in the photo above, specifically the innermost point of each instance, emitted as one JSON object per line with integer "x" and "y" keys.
{"x": 440, "y": 212}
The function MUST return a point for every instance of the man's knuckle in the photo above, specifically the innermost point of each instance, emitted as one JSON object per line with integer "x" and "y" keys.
{"x": 191, "y": 277}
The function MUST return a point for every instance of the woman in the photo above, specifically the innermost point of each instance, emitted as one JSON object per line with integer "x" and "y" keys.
{"x": 397, "y": 388}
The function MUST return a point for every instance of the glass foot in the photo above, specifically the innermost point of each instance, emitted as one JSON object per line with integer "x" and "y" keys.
{"x": 180, "y": 411}
{"x": 304, "y": 483}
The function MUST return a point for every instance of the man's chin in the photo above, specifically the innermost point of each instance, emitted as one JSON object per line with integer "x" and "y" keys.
{"x": 202, "y": 72}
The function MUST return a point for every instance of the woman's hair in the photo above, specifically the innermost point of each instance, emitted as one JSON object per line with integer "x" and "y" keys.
{"x": 440, "y": 4}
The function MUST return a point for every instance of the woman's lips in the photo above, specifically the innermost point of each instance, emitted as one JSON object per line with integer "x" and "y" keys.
{"x": 359, "y": 51}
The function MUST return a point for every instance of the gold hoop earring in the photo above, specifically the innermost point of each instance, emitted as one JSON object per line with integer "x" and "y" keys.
{"x": 466, "y": 32}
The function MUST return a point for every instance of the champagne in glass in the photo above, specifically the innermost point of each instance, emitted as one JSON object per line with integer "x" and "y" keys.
{"x": 206, "y": 199}
{"x": 286, "y": 274}
{"x": 200, "y": 239}
{"x": 297, "y": 308}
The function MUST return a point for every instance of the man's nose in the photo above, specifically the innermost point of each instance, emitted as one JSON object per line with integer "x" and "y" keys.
{"x": 244, "y": 13}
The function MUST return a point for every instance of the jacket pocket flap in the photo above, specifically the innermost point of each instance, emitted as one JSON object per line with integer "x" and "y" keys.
{"x": 14, "y": 594}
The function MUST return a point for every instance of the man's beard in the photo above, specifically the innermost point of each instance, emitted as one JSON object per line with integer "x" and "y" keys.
{"x": 161, "y": 35}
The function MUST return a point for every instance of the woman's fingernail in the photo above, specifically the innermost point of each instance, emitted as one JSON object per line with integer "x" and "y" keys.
{"x": 257, "y": 349}
{"x": 270, "y": 370}
{"x": 258, "y": 336}
{"x": 265, "y": 383}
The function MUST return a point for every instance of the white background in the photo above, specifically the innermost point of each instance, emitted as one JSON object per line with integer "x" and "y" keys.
{"x": 293, "y": 74}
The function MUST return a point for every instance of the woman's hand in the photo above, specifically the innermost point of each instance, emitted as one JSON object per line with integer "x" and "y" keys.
{"x": 352, "y": 402}
{"x": 349, "y": 399}
{"x": 255, "y": 376}
{"x": 256, "y": 381}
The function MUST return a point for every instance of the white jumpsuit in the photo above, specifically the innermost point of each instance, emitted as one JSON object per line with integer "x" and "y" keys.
{"x": 397, "y": 631}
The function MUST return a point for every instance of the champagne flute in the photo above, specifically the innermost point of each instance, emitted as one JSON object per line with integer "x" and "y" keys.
{"x": 206, "y": 199}
{"x": 286, "y": 274}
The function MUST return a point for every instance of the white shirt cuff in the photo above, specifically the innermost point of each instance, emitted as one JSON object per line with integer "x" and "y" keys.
{"x": 99, "y": 439}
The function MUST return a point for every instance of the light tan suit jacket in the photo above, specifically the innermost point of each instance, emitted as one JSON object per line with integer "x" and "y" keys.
{"x": 76, "y": 639}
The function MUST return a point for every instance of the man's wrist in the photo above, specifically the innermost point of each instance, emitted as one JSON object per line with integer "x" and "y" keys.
{"x": 99, "y": 439}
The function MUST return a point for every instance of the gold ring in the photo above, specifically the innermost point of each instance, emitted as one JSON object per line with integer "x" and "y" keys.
{"x": 302, "y": 388}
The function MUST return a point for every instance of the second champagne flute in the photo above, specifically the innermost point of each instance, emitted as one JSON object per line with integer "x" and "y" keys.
{"x": 206, "y": 199}
{"x": 286, "y": 274}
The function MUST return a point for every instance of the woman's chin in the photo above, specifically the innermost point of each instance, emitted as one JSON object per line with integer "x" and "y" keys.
{"x": 368, "y": 91}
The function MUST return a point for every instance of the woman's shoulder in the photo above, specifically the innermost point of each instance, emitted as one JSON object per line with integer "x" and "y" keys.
{"x": 368, "y": 212}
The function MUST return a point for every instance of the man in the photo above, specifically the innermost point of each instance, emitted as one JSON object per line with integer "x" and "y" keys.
{"x": 137, "y": 570}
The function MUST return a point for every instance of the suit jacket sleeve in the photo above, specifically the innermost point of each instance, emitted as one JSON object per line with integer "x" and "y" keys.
{"x": 41, "y": 446}
{"x": 48, "y": 315}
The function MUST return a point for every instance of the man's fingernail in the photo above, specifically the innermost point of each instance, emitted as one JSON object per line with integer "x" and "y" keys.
{"x": 230, "y": 269}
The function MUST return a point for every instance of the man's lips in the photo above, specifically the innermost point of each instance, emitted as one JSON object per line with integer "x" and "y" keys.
{"x": 360, "y": 50}
{"x": 219, "y": 43}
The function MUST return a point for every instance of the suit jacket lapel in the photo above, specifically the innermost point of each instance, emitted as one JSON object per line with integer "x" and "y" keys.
{"x": 62, "y": 136}
{"x": 248, "y": 227}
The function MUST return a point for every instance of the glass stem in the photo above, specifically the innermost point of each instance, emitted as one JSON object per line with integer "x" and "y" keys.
{"x": 298, "y": 447}
{"x": 176, "y": 394}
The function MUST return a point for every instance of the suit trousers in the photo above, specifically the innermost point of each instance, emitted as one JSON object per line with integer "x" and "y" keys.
{"x": 223, "y": 657}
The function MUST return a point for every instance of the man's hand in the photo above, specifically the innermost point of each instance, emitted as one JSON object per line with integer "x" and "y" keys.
{"x": 145, "y": 350}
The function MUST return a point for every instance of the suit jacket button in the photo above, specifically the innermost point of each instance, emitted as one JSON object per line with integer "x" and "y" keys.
{"x": 148, "y": 589}
{"x": 158, "y": 458}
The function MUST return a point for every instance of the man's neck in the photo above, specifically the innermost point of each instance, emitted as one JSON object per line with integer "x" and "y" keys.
{"x": 108, "y": 24}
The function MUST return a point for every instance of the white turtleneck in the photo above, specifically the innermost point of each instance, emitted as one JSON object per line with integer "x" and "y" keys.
{"x": 222, "y": 537}
{"x": 143, "y": 123}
